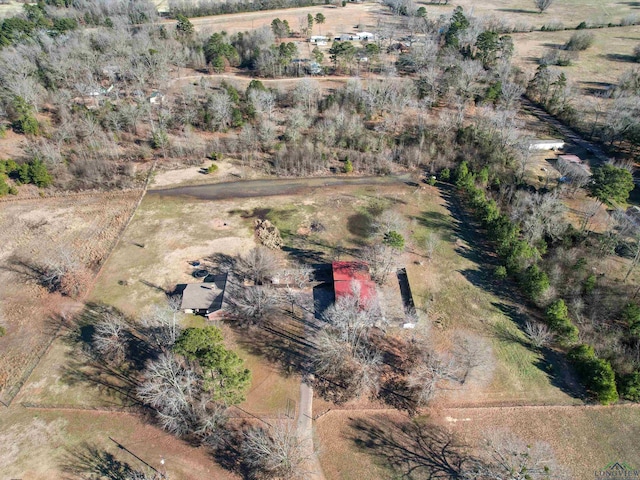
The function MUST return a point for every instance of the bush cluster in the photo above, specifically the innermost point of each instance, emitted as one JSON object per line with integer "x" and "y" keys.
{"x": 596, "y": 373}
{"x": 34, "y": 172}
{"x": 518, "y": 255}
{"x": 521, "y": 262}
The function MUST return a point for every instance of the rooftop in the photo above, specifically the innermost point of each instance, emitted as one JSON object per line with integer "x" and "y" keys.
{"x": 350, "y": 277}
{"x": 204, "y": 296}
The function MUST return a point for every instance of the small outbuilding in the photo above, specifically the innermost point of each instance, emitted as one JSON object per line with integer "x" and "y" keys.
{"x": 318, "y": 39}
{"x": 206, "y": 298}
{"x": 546, "y": 144}
{"x": 156, "y": 98}
{"x": 352, "y": 277}
{"x": 576, "y": 161}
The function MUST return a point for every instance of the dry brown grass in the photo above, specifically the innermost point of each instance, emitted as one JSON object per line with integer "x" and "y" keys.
{"x": 63, "y": 444}
{"x": 584, "y": 439}
{"x": 338, "y": 20}
{"x": 34, "y": 230}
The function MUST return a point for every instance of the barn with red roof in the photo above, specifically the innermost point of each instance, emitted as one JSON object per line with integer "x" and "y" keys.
{"x": 347, "y": 275}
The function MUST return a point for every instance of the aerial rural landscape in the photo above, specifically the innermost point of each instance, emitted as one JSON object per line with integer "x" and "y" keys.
{"x": 319, "y": 239}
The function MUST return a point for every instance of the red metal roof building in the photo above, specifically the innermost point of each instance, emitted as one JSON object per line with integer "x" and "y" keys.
{"x": 347, "y": 275}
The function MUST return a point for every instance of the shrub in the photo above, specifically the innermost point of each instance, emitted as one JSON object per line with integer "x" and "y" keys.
{"x": 445, "y": 174}
{"x": 553, "y": 26}
{"x": 3, "y": 331}
{"x": 394, "y": 240}
{"x": 556, "y": 57}
{"x": 500, "y": 272}
{"x": 214, "y": 156}
{"x": 579, "y": 41}
{"x": 212, "y": 168}
{"x": 581, "y": 26}
{"x": 348, "y": 166}
{"x": 632, "y": 19}
{"x": 630, "y": 386}
{"x": 159, "y": 139}
{"x": 534, "y": 282}
{"x": 26, "y": 124}
{"x": 4, "y": 188}
{"x": 596, "y": 373}
{"x": 589, "y": 284}
{"x": 557, "y": 316}
{"x": 38, "y": 173}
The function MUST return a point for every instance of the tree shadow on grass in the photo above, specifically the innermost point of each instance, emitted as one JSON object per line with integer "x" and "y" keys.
{"x": 619, "y": 57}
{"x": 411, "y": 449}
{"x": 360, "y": 225}
{"x": 275, "y": 342}
{"x": 90, "y": 461}
{"x": 480, "y": 252}
{"x": 117, "y": 382}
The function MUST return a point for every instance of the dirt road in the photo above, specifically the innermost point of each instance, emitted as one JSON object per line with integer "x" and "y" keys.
{"x": 568, "y": 134}
{"x": 272, "y": 187}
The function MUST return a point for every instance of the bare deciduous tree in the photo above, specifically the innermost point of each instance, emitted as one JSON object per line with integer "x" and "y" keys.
{"x": 259, "y": 265}
{"x": 431, "y": 242}
{"x": 381, "y": 259}
{"x": 538, "y": 333}
{"x": 473, "y": 356}
{"x": 542, "y": 5}
{"x": 110, "y": 338}
{"x": 539, "y": 215}
{"x": 254, "y": 304}
{"x": 276, "y": 451}
{"x": 343, "y": 350}
{"x": 507, "y": 456}
{"x": 175, "y": 392}
{"x": 428, "y": 373}
{"x": 161, "y": 324}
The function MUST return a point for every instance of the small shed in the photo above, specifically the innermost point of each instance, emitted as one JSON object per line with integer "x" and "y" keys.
{"x": 546, "y": 144}
{"x": 318, "y": 39}
{"x": 314, "y": 68}
{"x": 575, "y": 160}
{"x": 350, "y": 276}
{"x": 204, "y": 298}
{"x": 367, "y": 36}
{"x": 156, "y": 97}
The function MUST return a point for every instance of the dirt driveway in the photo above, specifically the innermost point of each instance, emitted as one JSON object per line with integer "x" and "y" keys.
{"x": 271, "y": 187}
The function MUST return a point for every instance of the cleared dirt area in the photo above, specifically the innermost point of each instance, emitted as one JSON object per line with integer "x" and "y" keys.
{"x": 523, "y": 12}
{"x": 356, "y": 445}
{"x": 593, "y": 69}
{"x": 338, "y": 20}
{"x": 31, "y": 231}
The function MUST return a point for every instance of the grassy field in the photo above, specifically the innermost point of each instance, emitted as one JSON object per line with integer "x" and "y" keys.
{"x": 601, "y": 64}
{"x": 524, "y": 13}
{"x": 366, "y": 444}
{"x": 57, "y": 444}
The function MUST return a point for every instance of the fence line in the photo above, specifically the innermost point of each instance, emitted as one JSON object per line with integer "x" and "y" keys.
{"x": 18, "y": 386}
{"x": 25, "y": 376}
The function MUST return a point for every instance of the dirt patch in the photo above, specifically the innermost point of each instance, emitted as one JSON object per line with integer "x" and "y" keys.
{"x": 338, "y": 20}
{"x": 193, "y": 175}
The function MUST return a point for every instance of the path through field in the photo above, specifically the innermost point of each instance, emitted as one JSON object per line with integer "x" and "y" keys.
{"x": 271, "y": 187}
